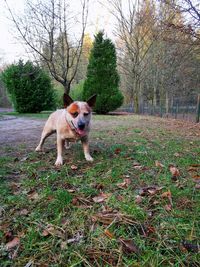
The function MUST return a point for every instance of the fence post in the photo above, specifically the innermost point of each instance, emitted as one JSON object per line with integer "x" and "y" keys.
{"x": 198, "y": 109}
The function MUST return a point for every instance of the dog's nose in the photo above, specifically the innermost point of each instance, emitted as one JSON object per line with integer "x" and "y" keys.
{"x": 81, "y": 125}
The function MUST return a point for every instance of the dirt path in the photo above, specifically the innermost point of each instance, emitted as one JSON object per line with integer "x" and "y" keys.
{"x": 16, "y": 131}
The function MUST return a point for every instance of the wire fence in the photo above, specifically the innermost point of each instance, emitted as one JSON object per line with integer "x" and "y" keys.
{"x": 185, "y": 108}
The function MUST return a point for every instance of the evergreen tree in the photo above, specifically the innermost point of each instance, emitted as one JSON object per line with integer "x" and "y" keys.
{"x": 102, "y": 77}
{"x": 29, "y": 87}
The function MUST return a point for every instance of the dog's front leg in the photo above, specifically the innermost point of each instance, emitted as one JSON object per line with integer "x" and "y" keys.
{"x": 86, "y": 151}
{"x": 60, "y": 144}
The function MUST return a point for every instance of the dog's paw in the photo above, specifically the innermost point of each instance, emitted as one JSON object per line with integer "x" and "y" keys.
{"x": 38, "y": 149}
{"x": 89, "y": 158}
{"x": 59, "y": 162}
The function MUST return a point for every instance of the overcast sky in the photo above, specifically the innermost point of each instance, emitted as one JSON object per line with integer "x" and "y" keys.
{"x": 11, "y": 50}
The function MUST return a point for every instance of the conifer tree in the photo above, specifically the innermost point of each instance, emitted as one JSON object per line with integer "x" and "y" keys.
{"x": 102, "y": 77}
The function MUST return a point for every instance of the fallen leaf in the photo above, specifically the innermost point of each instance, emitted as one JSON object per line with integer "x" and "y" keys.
{"x": 138, "y": 167}
{"x": 176, "y": 154}
{"x": 13, "y": 243}
{"x": 23, "y": 212}
{"x": 117, "y": 151}
{"x": 51, "y": 230}
{"x": 168, "y": 207}
{"x": 124, "y": 184}
{"x": 196, "y": 177}
{"x": 120, "y": 198}
{"x": 138, "y": 199}
{"x": 150, "y": 190}
{"x": 192, "y": 169}
{"x": 24, "y": 159}
{"x": 197, "y": 186}
{"x": 76, "y": 239}
{"x": 9, "y": 236}
{"x": 33, "y": 195}
{"x": 174, "y": 171}
{"x": 74, "y": 167}
{"x": 108, "y": 234}
{"x": 135, "y": 163}
{"x": 98, "y": 186}
{"x": 71, "y": 190}
{"x": 128, "y": 246}
{"x": 159, "y": 164}
{"x": 101, "y": 198}
{"x": 166, "y": 194}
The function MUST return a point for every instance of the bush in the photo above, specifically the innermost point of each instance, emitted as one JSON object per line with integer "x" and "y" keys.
{"x": 102, "y": 77}
{"x": 29, "y": 87}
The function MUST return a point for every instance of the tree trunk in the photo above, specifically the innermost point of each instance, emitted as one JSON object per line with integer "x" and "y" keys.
{"x": 136, "y": 103}
{"x": 167, "y": 102}
{"x": 67, "y": 88}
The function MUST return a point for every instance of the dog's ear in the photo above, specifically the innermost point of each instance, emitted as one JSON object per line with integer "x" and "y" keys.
{"x": 92, "y": 100}
{"x": 67, "y": 100}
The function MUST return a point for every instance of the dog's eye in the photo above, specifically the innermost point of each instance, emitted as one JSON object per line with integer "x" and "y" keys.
{"x": 75, "y": 114}
{"x": 86, "y": 114}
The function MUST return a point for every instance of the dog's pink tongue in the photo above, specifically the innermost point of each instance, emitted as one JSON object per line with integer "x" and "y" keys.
{"x": 81, "y": 132}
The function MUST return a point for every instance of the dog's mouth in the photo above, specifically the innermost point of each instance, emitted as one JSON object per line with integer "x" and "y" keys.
{"x": 80, "y": 132}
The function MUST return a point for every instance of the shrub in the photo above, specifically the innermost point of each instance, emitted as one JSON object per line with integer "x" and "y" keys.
{"x": 29, "y": 87}
{"x": 102, "y": 77}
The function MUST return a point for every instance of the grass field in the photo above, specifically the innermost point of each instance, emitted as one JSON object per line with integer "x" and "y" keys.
{"x": 137, "y": 204}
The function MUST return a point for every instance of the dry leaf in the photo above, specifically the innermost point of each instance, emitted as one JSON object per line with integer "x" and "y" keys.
{"x": 196, "y": 177}
{"x": 197, "y": 186}
{"x": 135, "y": 163}
{"x": 158, "y": 164}
{"x": 125, "y": 183}
{"x": 108, "y": 234}
{"x": 33, "y": 195}
{"x": 117, "y": 151}
{"x": 166, "y": 194}
{"x": 13, "y": 243}
{"x": 71, "y": 190}
{"x": 168, "y": 207}
{"x": 128, "y": 246}
{"x": 100, "y": 198}
{"x": 138, "y": 199}
{"x": 120, "y": 198}
{"x": 150, "y": 190}
{"x": 98, "y": 186}
{"x": 23, "y": 212}
{"x": 138, "y": 167}
{"x": 45, "y": 233}
{"x": 50, "y": 230}
{"x": 176, "y": 155}
{"x": 74, "y": 167}
{"x": 174, "y": 171}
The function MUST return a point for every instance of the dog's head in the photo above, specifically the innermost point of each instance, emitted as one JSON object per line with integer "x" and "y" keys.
{"x": 78, "y": 114}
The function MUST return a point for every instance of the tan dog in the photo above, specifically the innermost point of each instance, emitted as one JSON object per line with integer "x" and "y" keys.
{"x": 70, "y": 124}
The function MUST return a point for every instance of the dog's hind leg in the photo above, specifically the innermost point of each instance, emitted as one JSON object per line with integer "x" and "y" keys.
{"x": 85, "y": 144}
{"x": 45, "y": 133}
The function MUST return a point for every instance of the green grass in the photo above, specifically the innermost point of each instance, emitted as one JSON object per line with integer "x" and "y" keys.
{"x": 53, "y": 213}
{"x": 41, "y": 115}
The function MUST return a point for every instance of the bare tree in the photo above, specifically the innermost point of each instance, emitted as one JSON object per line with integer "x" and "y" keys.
{"x": 48, "y": 30}
{"x": 135, "y": 31}
{"x": 190, "y": 9}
